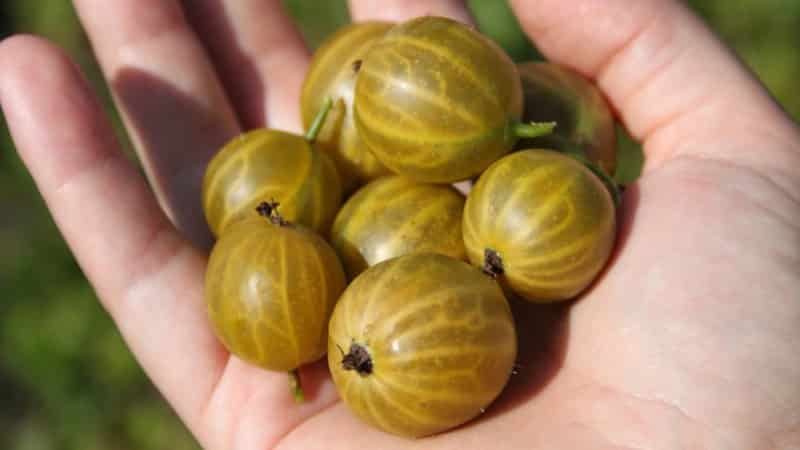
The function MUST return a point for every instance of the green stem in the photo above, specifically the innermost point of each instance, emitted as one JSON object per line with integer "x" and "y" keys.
{"x": 533, "y": 129}
{"x": 319, "y": 120}
{"x": 294, "y": 385}
{"x": 609, "y": 182}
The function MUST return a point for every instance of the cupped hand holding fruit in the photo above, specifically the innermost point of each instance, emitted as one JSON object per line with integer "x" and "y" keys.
{"x": 691, "y": 331}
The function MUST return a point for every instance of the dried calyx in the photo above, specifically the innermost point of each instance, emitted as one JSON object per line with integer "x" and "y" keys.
{"x": 492, "y": 263}
{"x": 270, "y": 211}
{"x": 357, "y": 359}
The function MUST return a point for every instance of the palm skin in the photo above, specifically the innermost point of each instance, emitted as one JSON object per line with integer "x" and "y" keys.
{"x": 689, "y": 340}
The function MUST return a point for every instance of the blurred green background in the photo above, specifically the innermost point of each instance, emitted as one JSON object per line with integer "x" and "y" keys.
{"x": 67, "y": 380}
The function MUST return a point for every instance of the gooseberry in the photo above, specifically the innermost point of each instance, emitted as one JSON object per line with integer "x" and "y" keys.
{"x": 394, "y": 216}
{"x": 585, "y": 121}
{"x": 420, "y": 344}
{"x": 270, "y": 288}
{"x": 266, "y": 165}
{"x": 542, "y": 222}
{"x": 438, "y": 102}
{"x": 332, "y": 74}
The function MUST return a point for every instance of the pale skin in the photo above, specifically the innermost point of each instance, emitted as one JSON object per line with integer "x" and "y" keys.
{"x": 688, "y": 341}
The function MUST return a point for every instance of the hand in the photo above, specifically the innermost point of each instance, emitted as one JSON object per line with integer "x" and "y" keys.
{"x": 688, "y": 341}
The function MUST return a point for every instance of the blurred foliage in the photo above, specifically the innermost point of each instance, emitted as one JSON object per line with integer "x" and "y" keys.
{"x": 67, "y": 381}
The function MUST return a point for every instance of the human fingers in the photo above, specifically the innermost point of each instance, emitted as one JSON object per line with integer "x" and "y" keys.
{"x": 677, "y": 88}
{"x": 399, "y": 10}
{"x": 147, "y": 275}
{"x": 168, "y": 93}
{"x": 259, "y": 55}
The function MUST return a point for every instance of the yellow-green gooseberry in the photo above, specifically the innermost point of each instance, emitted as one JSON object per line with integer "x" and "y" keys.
{"x": 332, "y": 74}
{"x": 542, "y": 222}
{"x": 271, "y": 165}
{"x": 270, "y": 288}
{"x": 585, "y": 121}
{"x": 394, "y": 216}
{"x": 420, "y": 344}
{"x": 438, "y": 102}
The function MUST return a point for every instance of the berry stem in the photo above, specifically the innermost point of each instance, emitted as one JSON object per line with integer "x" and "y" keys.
{"x": 296, "y": 387}
{"x": 533, "y": 129}
{"x": 319, "y": 120}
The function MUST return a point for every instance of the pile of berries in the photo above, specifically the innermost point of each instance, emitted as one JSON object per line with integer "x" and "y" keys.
{"x": 405, "y": 284}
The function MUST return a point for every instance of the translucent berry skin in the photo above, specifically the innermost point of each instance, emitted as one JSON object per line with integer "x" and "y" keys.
{"x": 332, "y": 74}
{"x": 550, "y": 220}
{"x": 441, "y": 339}
{"x": 270, "y": 165}
{"x": 270, "y": 291}
{"x": 436, "y": 101}
{"x": 585, "y": 120}
{"x": 394, "y": 216}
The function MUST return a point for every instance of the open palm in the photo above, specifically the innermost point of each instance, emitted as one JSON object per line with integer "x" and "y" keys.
{"x": 690, "y": 339}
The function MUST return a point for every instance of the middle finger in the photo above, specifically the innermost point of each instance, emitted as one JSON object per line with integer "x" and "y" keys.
{"x": 400, "y": 10}
{"x": 165, "y": 87}
{"x": 259, "y": 54}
